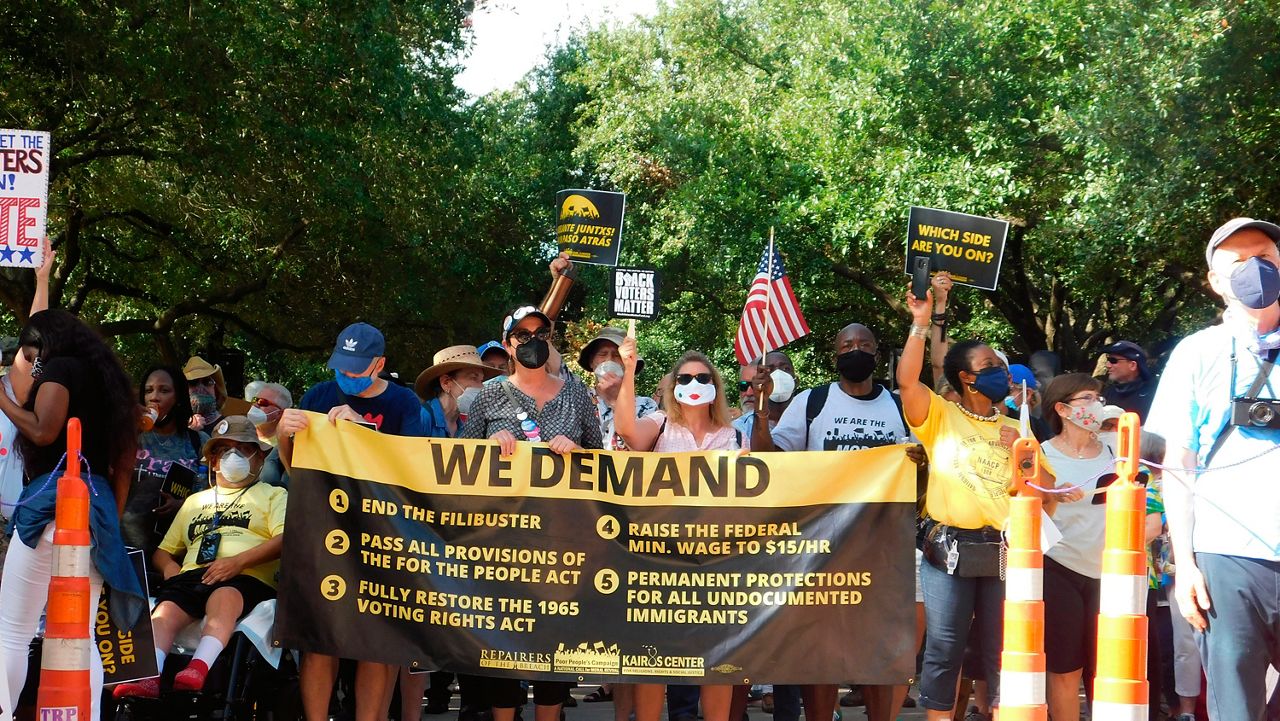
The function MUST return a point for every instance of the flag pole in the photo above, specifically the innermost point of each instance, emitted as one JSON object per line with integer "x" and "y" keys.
{"x": 768, "y": 314}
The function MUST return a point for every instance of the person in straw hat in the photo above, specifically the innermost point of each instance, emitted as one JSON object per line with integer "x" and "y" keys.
{"x": 450, "y": 386}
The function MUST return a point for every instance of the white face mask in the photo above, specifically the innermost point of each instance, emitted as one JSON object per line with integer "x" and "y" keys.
{"x": 783, "y": 386}
{"x": 467, "y": 399}
{"x": 609, "y": 368}
{"x": 1088, "y": 417}
{"x": 695, "y": 393}
{"x": 233, "y": 467}
{"x": 256, "y": 416}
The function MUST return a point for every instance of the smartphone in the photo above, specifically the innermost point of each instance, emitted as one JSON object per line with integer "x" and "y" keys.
{"x": 1100, "y": 497}
{"x": 920, "y": 277}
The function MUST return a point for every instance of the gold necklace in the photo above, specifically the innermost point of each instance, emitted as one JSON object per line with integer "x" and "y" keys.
{"x": 995, "y": 414}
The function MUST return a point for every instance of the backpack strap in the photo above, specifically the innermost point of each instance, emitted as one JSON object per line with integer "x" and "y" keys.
{"x": 738, "y": 435}
{"x": 813, "y": 406}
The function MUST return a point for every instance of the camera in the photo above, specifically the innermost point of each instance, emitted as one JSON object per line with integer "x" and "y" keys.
{"x": 1255, "y": 412}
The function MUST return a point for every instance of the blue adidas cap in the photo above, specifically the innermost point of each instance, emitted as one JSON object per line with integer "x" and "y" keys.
{"x": 357, "y": 345}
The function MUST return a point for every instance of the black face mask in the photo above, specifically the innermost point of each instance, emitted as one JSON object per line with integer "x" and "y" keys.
{"x": 856, "y": 365}
{"x": 534, "y": 353}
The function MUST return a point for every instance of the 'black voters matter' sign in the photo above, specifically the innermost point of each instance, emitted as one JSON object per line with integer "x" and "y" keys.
{"x": 634, "y": 293}
{"x": 969, "y": 247}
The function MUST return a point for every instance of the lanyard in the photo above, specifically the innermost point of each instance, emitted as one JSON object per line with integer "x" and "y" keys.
{"x": 217, "y": 514}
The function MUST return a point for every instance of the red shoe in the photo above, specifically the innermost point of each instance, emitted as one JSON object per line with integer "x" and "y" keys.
{"x": 146, "y": 688}
{"x": 192, "y": 677}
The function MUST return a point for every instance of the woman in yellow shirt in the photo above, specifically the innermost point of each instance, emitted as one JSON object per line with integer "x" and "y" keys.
{"x": 966, "y": 505}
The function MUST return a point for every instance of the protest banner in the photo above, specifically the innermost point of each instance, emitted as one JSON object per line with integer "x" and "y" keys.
{"x": 126, "y": 655}
{"x": 705, "y": 567}
{"x": 969, "y": 247}
{"x": 634, "y": 293}
{"x": 589, "y": 225}
{"x": 24, "y": 196}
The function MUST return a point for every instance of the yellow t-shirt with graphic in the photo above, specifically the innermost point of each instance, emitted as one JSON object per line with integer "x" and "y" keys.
{"x": 969, "y": 467}
{"x": 248, "y": 520}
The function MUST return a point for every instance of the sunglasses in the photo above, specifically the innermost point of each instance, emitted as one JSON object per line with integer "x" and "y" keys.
{"x": 685, "y": 379}
{"x": 263, "y": 403}
{"x": 1112, "y": 360}
{"x": 743, "y": 385}
{"x": 523, "y": 336}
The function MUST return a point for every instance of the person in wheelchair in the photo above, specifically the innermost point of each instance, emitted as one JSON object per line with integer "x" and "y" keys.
{"x": 228, "y": 538}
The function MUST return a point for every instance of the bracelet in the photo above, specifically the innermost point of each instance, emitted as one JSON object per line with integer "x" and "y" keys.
{"x": 919, "y": 331}
{"x": 939, "y": 319}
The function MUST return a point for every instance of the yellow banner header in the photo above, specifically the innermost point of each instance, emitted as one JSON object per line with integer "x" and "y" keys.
{"x": 711, "y": 478}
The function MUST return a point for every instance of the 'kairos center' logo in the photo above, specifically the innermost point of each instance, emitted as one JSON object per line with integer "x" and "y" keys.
{"x": 652, "y": 663}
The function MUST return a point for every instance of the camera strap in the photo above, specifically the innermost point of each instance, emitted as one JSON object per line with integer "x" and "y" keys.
{"x": 1259, "y": 381}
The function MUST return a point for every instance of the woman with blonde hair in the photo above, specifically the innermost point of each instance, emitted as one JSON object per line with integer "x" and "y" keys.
{"x": 694, "y": 417}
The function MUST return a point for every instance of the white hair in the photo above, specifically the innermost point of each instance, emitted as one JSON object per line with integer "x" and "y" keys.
{"x": 255, "y": 389}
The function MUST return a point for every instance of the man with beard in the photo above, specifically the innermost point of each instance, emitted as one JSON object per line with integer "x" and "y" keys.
{"x": 853, "y": 413}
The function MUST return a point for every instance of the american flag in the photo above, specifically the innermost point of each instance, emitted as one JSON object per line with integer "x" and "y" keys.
{"x": 786, "y": 323}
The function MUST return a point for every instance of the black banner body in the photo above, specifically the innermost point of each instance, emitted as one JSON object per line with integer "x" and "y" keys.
{"x": 682, "y": 568}
{"x": 589, "y": 225}
{"x": 634, "y": 293}
{"x": 126, "y": 655}
{"x": 969, "y": 247}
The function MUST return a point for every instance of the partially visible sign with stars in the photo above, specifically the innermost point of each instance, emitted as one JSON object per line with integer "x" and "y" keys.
{"x": 24, "y": 196}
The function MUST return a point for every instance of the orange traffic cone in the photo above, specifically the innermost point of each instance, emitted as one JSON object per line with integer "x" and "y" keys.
{"x": 64, "y": 693}
{"x": 1022, "y": 664}
{"x": 1120, "y": 687}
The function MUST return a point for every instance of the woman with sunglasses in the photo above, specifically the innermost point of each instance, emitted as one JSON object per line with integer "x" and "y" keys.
{"x": 536, "y": 406}
{"x": 1081, "y": 455}
{"x": 694, "y": 417}
{"x": 151, "y": 505}
{"x": 966, "y": 505}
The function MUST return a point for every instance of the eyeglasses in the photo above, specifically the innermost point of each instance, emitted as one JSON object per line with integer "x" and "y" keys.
{"x": 1088, "y": 397}
{"x": 685, "y": 379}
{"x": 523, "y": 336}
{"x": 262, "y": 403}
{"x": 1112, "y": 360}
{"x": 743, "y": 385}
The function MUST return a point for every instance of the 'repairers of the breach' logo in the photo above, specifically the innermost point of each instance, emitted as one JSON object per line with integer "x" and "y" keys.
{"x": 593, "y": 658}
{"x": 576, "y": 206}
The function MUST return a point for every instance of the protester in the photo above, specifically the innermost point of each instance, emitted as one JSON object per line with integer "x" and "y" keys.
{"x": 220, "y": 558}
{"x": 208, "y": 392}
{"x": 967, "y": 503}
{"x": 1226, "y": 534}
{"x": 695, "y": 418}
{"x": 600, "y": 358}
{"x": 16, "y": 384}
{"x": 168, "y": 460}
{"x": 494, "y": 355}
{"x": 531, "y": 405}
{"x": 450, "y": 387}
{"x": 356, "y": 394}
{"x": 268, "y": 402}
{"x": 76, "y": 375}
{"x": 1073, "y": 566}
{"x": 852, "y": 413}
{"x": 778, "y": 364}
{"x": 1170, "y": 658}
{"x": 1129, "y": 381}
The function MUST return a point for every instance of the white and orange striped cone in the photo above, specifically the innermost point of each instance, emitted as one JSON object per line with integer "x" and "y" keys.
{"x": 1022, "y": 664}
{"x": 1120, "y": 687}
{"x": 65, "y": 693}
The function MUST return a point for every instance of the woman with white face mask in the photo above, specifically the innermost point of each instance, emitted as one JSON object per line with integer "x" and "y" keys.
{"x": 449, "y": 388}
{"x": 220, "y": 558}
{"x": 1073, "y": 411}
{"x": 695, "y": 418}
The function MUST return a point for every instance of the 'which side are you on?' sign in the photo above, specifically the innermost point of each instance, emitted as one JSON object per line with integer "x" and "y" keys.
{"x": 969, "y": 247}
{"x": 24, "y": 196}
{"x": 634, "y": 293}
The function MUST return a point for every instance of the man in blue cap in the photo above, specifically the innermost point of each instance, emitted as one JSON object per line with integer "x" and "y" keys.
{"x": 494, "y": 355}
{"x": 356, "y": 394}
{"x": 1129, "y": 382}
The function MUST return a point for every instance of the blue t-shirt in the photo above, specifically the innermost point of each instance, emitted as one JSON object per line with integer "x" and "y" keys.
{"x": 434, "y": 421}
{"x": 1236, "y": 509}
{"x": 396, "y": 410}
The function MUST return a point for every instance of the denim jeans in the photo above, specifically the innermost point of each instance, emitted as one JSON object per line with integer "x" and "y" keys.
{"x": 1244, "y": 633}
{"x": 786, "y": 703}
{"x": 951, "y": 604}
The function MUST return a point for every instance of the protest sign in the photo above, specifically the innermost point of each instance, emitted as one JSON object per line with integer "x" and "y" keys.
{"x": 634, "y": 293}
{"x": 126, "y": 655}
{"x": 24, "y": 196}
{"x": 704, "y": 567}
{"x": 969, "y": 247}
{"x": 589, "y": 225}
